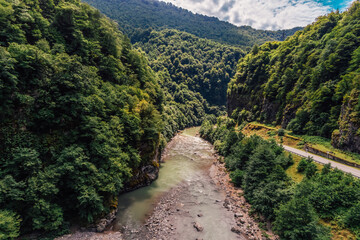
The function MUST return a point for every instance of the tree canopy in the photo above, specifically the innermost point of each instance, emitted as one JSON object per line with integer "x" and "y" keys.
{"x": 80, "y": 109}
{"x": 308, "y": 83}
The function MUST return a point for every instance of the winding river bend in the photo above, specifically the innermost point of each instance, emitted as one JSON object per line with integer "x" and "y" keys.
{"x": 183, "y": 196}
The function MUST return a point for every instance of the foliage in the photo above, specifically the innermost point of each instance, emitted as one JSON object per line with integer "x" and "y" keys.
{"x": 304, "y": 82}
{"x": 281, "y": 132}
{"x": 302, "y": 165}
{"x": 203, "y": 65}
{"x": 9, "y": 225}
{"x": 80, "y": 110}
{"x": 137, "y": 16}
{"x": 237, "y": 177}
{"x": 258, "y": 166}
{"x": 193, "y": 74}
{"x": 352, "y": 217}
{"x": 297, "y": 220}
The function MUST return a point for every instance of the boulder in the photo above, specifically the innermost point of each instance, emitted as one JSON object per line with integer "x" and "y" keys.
{"x": 198, "y": 227}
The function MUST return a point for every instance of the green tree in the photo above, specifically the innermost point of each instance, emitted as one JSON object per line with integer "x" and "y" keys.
{"x": 297, "y": 219}
{"x": 9, "y": 225}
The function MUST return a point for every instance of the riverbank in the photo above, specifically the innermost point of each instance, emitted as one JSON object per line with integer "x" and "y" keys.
{"x": 236, "y": 202}
{"x": 192, "y": 199}
{"x": 173, "y": 208}
{"x": 92, "y": 236}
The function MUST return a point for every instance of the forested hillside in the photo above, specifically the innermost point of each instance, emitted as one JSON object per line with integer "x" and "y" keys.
{"x": 309, "y": 83}
{"x": 80, "y": 109}
{"x": 204, "y": 66}
{"x": 135, "y": 16}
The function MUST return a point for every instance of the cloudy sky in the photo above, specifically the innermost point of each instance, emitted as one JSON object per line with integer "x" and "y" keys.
{"x": 264, "y": 14}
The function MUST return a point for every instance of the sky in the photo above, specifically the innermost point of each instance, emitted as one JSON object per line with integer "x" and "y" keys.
{"x": 264, "y": 14}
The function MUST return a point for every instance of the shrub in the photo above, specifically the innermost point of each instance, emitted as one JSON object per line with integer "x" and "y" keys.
{"x": 297, "y": 220}
{"x": 281, "y": 132}
{"x": 237, "y": 177}
{"x": 302, "y": 165}
{"x": 9, "y": 225}
{"x": 311, "y": 170}
{"x": 352, "y": 217}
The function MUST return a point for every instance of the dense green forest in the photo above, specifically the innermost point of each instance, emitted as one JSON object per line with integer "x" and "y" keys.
{"x": 309, "y": 83}
{"x": 182, "y": 107}
{"x": 80, "y": 109}
{"x": 258, "y": 166}
{"x": 138, "y": 15}
{"x": 84, "y": 107}
{"x": 204, "y": 66}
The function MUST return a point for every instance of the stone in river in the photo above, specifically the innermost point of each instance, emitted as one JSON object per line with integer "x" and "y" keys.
{"x": 198, "y": 227}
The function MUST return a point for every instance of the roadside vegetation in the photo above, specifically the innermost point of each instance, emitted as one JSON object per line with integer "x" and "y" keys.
{"x": 287, "y": 137}
{"x": 296, "y": 206}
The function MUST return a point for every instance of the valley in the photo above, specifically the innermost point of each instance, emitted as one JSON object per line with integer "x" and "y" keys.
{"x": 99, "y": 112}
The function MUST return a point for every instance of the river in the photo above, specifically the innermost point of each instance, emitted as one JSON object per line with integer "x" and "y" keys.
{"x": 191, "y": 199}
{"x": 184, "y": 173}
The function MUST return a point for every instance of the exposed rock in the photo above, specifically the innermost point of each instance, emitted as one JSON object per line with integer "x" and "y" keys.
{"x": 348, "y": 135}
{"x": 100, "y": 227}
{"x": 198, "y": 227}
{"x": 236, "y": 230}
{"x": 200, "y": 215}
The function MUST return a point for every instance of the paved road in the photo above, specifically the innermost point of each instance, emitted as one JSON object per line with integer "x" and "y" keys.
{"x": 354, "y": 171}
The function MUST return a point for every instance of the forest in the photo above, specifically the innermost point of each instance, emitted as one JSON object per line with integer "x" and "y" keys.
{"x": 87, "y": 102}
{"x": 295, "y": 209}
{"x": 135, "y": 15}
{"x": 204, "y": 66}
{"x": 80, "y": 111}
{"x": 308, "y": 83}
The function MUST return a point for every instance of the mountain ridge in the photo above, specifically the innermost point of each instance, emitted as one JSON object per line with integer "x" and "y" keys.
{"x": 138, "y": 14}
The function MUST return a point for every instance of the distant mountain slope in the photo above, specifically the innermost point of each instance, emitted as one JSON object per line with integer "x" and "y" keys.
{"x": 310, "y": 83}
{"x": 203, "y": 65}
{"x": 135, "y": 14}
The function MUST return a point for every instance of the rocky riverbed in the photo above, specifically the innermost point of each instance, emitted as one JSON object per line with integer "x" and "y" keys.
{"x": 194, "y": 199}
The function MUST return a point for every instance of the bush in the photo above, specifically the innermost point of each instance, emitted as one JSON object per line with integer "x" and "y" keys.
{"x": 237, "y": 177}
{"x": 302, "y": 165}
{"x": 9, "y": 225}
{"x": 297, "y": 220}
{"x": 311, "y": 170}
{"x": 281, "y": 132}
{"x": 352, "y": 217}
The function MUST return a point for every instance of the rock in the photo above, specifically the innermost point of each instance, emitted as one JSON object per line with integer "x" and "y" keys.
{"x": 200, "y": 215}
{"x": 236, "y": 230}
{"x": 198, "y": 227}
{"x": 242, "y": 221}
{"x": 100, "y": 227}
{"x": 238, "y": 215}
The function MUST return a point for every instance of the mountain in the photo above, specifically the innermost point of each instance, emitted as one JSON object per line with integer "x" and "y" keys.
{"x": 203, "y": 65}
{"x": 308, "y": 83}
{"x": 133, "y": 15}
{"x": 80, "y": 113}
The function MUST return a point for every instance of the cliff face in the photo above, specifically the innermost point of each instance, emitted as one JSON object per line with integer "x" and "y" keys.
{"x": 348, "y": 135}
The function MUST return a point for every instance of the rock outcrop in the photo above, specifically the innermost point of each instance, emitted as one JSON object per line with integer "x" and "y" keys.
{"x": 348, "y": 135}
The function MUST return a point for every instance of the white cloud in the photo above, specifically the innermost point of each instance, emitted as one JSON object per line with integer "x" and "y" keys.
{"x": 260, "y": 14}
